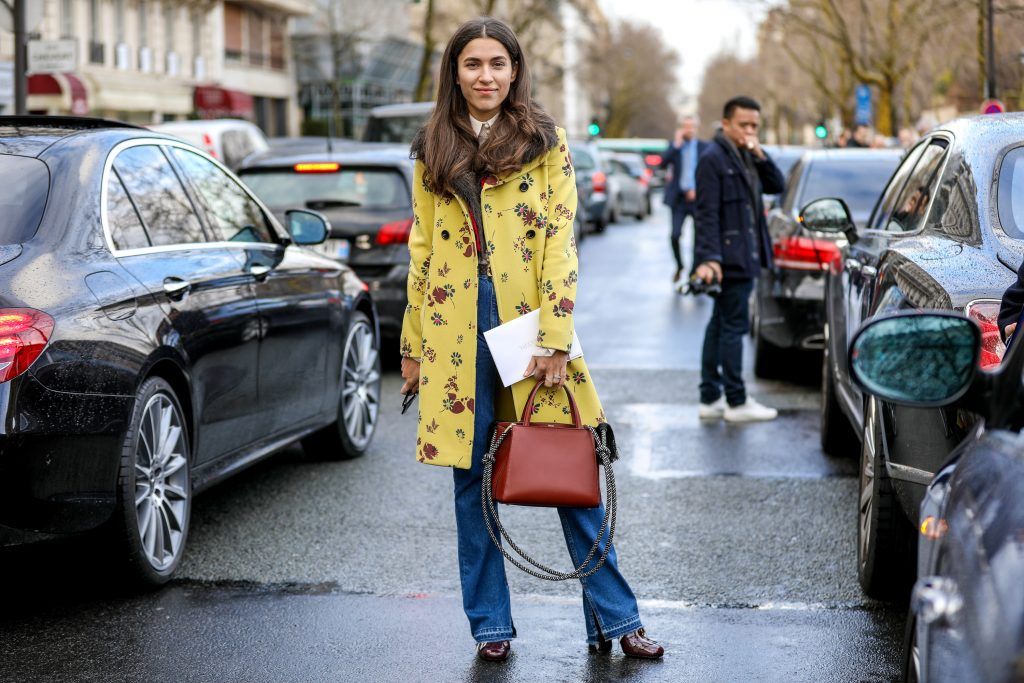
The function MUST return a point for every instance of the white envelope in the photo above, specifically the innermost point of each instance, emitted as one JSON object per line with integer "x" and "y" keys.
{"x": 513, "y": 344}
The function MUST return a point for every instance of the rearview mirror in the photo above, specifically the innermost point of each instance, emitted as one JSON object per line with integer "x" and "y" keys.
{"x": 829, "y": 215}
{"x": 307, "y": 227}
{"x": 916, "y": 359}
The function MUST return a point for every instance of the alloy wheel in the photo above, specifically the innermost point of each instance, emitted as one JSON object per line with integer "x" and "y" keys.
{"x": 360, "y": 395}
{"x": 161, "y": 481}
{"x": 867, "y": 484}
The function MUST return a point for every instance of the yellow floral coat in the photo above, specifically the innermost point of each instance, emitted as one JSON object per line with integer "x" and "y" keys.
{"x": 527, "y": 228}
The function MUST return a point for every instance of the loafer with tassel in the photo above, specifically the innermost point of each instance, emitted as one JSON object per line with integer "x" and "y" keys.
{"x": 494, "y": 652}
{"x": 635, "y": 644}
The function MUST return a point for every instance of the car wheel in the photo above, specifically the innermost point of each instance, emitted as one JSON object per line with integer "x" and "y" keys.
{"x": 154, "y": 486}
{"x": 911, "y": 652}
{"x": 837, "y": 435}
{"x": 600, "y": 224}
{"x": 359, "y": 403}
{"x": 768, "y": 358}
{"x": 883, "y": 532}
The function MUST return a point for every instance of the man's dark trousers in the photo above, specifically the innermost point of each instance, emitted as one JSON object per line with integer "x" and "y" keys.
{"x": 722, "y": 360}
{"x": 680, "y": 211}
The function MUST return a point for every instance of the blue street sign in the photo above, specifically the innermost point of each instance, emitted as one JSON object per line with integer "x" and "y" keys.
{"x": 863, "y": 113}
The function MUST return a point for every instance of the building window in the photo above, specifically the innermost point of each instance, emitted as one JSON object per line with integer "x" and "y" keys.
{"x": 256, "y": 49}
{"x": 169, "y": 15}
{"x": 96, "y": 53}
{"x": 67, "y": 19}
{"x": 197, "y": 33}
{"x": 233, "y": 16}
{"x": 143, "y": 23}
{"x": 119, "y": 30}
{"x": 277, "y": 44}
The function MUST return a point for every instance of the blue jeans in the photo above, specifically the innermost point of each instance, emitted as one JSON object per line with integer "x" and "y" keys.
{"x": 723, "y": 344}
{"x": 608, "y": 601}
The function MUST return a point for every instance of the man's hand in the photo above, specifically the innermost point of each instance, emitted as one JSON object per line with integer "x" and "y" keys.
{"x": 1009, "y": 330}
{"x": 677, "y": 141}
{"x": 691, "y": 195}
{"x": 411, "y": 375}
{"x": 551, "y": 369}
{"x": 754, "y": 145}
{"x": 709, "y": 271}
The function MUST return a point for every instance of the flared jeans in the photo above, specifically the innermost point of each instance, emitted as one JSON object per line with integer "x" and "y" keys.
{"x": 609, "y": 606}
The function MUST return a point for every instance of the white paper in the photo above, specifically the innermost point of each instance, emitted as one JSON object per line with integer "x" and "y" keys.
{"x": 514, "y": 343}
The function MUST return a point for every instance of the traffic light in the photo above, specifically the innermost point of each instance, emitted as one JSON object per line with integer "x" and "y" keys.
{"x": 594, "y": 128}
{"x": 821, "y": 130}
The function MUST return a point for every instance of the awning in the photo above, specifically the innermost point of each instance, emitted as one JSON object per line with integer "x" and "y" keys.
{"x": 68, "y": 87}
{"x": 212, "y": 102}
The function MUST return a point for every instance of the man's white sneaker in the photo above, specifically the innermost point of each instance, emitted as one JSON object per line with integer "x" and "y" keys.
{"x": 713, "y": 411}
{"x": 751, "y": 411}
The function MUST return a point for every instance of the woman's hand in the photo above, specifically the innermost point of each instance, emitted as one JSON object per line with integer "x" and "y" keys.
{"x": 551, "y": 369}
{"x": 411, "y": 375}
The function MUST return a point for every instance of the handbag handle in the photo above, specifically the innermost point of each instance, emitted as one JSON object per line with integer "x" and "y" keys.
{"x": 527, "y": 413}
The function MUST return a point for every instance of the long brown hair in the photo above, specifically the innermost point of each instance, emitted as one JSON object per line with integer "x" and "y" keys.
{"x": 447, "y": 144}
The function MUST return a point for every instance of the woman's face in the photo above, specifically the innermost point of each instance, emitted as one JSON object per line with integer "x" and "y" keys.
{"x": 485, "y": 74}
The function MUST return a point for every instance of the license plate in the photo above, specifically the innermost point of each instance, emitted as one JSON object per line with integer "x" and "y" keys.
{"x": 336, "y": 249}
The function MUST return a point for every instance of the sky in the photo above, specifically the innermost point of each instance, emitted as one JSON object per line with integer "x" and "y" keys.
{"x": 697, "y": 29}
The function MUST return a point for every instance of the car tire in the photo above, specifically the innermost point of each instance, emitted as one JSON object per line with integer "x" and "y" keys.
{"x": 359, "y": 399}
{"x": 884, "y": 537}
{"x": 768, "y": 358}
{"x": 838, "y": 437}
{"x": 911, "y": 669}
{"x": 599, "y": 225}
{"x": 154, "y": 487}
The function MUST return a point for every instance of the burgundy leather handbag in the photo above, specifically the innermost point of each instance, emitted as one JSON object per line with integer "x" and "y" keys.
{"x": 546, "y": 464}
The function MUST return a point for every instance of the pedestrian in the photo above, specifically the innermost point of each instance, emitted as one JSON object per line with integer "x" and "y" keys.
{"x": 494, "y": 198}
{"x": 862, "y": 137}
{"x": 732, "y": 245}
{"x": 680, "y": 158}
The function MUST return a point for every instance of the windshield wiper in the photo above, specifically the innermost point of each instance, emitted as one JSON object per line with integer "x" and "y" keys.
{"x": 329, "y": 203}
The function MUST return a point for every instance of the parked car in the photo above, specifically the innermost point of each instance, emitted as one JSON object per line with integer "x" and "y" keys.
{"x": 366, "y": 193}
{"x": 228, "y": 140}
{"x": 591, "y": 184}
{"x": 397, "y": 123}
{"x": 789, "y": 305}
{"x": 159, "y": 331}
{"x": 966, "y": 617}
{"x": 632, "y": 179}
{"x": 944, "y": 235}
{"x": 785, "y": 157}
{"x": 650, "y": 149}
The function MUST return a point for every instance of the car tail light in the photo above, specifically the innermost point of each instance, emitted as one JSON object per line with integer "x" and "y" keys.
{"x": 986, "y": 314}
{"x": 653, "y": 160}
{"x": 318, "y": 167}
{"x": 600, "y": 181}
{"x": 804, "y": 253}
{"x": 211, "y": 149}
{"x": 395, "y": 233}
{"x": 645, "y": 177}
{"x": 24, "y": 333}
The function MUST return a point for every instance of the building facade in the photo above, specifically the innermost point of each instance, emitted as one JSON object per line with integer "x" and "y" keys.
{"x": 148, "y": 61}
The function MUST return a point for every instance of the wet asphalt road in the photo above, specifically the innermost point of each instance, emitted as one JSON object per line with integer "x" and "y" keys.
{"x": 738, "y": 540}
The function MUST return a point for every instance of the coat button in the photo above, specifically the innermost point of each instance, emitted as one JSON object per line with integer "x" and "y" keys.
{"x": 524, "y": 186}
{"x": 445, "y": 235}
{"x": 530, "y": 234}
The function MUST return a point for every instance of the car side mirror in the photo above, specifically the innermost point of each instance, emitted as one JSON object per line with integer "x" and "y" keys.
{"x": 307, "y": 227}
{"x": 830, "y": 215}
{"x": 916, "y": 359}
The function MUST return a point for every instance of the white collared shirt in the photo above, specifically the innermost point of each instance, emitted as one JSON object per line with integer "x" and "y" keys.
{"x": 477, "y": 125}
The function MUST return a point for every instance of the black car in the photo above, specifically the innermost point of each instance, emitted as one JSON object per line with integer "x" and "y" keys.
{"x": 966, "y": 619}
{"x": 365, "y": 190}
{"x": 159, "y": 332}
{"x": 945, "y": 234}
{"x": 789, "y": 306}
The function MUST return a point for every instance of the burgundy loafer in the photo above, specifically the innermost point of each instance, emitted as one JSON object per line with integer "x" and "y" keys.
{"x": 494, "y": 652}
{"x": 635, "y": 644}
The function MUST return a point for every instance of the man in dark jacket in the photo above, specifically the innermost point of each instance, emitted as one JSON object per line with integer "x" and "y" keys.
{"x": 1013, "y": 303}
{"x": 680, "y": 195}
{"x": 732, "y": 245}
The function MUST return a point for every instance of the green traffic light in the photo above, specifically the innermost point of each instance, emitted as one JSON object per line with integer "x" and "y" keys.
{"x": 594, "y": 129}
{"x": 821, "y": 132}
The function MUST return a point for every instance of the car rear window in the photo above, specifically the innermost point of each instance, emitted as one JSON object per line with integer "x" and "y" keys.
{"x": 1010, "y": 195}
{"x": 26, "y": 183}
{"x": 858, "y": 182}
{"x": 581, "y": 159}
{"x": 367, "y": 188}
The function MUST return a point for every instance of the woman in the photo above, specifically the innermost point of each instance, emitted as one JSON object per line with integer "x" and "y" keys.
{"x": 494, "y": 200}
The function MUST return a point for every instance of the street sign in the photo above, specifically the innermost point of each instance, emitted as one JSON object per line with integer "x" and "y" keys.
{"x": 33, "y": 15}
{"x": 52, "y": 56}
{"x": 992, "y": 107}
{"x": 863, "y": 113}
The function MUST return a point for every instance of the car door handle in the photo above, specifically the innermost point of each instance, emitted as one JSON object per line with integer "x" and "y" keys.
{"x": 853, "y": 266}
{"x": 176, "y": 288}
{"x": 259, "y": 272}
{"x": 868, "y": 272}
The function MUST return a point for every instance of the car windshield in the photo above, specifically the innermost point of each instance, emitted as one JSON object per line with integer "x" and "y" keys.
{"x": 857, "y": 182}
{"x": 581, "y": 159}
{"x": 26, "y": 183}
{"x": 368, "y": 188}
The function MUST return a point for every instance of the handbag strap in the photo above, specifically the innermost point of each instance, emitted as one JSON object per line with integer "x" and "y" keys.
{"x": 607, "y": 523}
{"x": 528, "y": 413}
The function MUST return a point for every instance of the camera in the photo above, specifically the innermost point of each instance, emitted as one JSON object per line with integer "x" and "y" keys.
{"x": 697, "y": 286}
